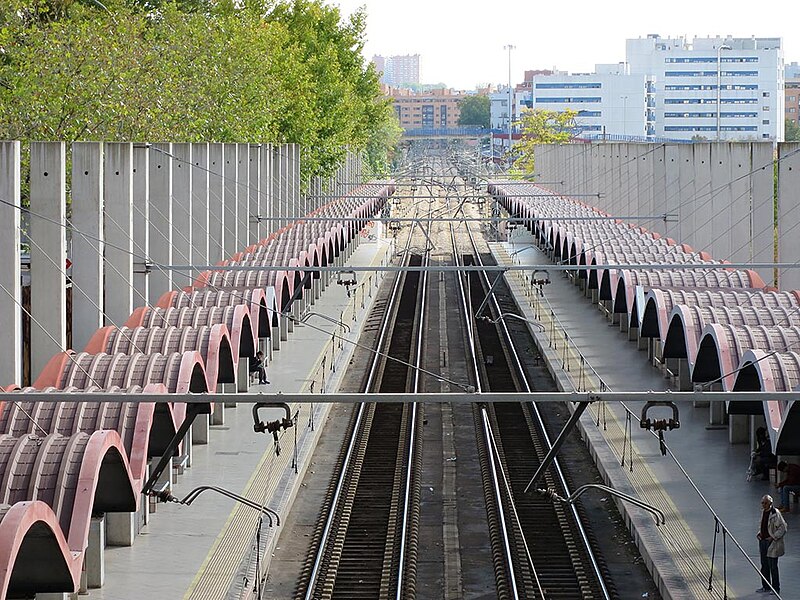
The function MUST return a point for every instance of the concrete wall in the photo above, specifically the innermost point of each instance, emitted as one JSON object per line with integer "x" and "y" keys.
{"x": 721, "y": 193}
{"x": 10, "y": 285}
{"x": 136, "y": 209}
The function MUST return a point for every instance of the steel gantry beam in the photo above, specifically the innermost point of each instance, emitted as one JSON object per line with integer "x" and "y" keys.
{"x": 488, "y": 268}
{"x": 454, "y": 398}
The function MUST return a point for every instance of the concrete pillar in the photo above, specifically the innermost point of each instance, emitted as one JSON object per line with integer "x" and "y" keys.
{"x": 121, "y": 528}
{"x": 182, "y": 211}
{"x": 762, "y": 191}
{"x": 243, "y": 197}
{"x": 275, "y": 188}
{"x": 684, "y": 376}
{"x": 141, "y": 223}
{"x": 201, "y": 233}
{"x": 285, "y": 199}
{"x": 216, "y": 203}
{"x": 10, "y": 282}
{"x": 94, "y": 556}
{"x": 741, "y": 212}
{"x": 265, "y": 185}
{"x": 230, "y": 200}
{"x": 703, "y": 204}
{"x": 160, "y": 219}
{"x": 48, "y": 253}
{"x": 738, "y": 429}
{"x": 218, "y": 414}
{"x": 720, "y": 245}
{"x": 275, "y": 335}
{"x": 200, "y": 429}
{"x": 88, "y": 245}
{"x": 243, "y": 376}
{"x": 253, "y": 193}
{"x": 788, "y": 213}
{"x": 118, "y": 227}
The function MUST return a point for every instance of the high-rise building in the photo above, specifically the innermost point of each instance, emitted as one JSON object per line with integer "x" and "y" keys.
{"x": 397, "y": 70}
{"x": 713, "y": 88}
{"x": 709, "y": 88}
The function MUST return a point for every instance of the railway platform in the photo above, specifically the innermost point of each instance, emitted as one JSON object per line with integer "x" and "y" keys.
{"x": 700, "y": 484}
{"x": 208, "y": 549}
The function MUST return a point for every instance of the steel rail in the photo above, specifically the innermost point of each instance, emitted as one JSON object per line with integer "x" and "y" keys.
{"x": 401, "y": 570}
{"x": 340, "y": 485}
{"x": 556, "y": 464}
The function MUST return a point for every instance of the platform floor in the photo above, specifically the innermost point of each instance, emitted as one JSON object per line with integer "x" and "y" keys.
{"x": 711, "y": 469}
{"x": 202, "y": 550}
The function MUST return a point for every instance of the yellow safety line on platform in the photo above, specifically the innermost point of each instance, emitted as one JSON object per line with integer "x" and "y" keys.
{"x": 676, "y": 535}
{"x": 216, "y": 574}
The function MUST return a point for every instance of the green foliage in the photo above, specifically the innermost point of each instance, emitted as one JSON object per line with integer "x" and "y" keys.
{"x": 791, "y": 131}
{"x": 475, "y": 110}
{"x": 191, "y": 70}
{"x": 540, "y": 126}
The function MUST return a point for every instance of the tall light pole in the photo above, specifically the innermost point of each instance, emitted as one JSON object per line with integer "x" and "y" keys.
{"x": 719, "y": 81}
{"x": 509, "y": 47}
{"x": 624, "y": 115}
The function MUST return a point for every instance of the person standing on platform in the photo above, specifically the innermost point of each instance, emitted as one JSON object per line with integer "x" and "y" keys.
{"x": 789, "y": 483}
{"x": 770, "y": 545}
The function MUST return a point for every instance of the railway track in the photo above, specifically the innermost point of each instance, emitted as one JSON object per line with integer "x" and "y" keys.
{"x": 365, "y": 547}
{"x": 366, "y": 542}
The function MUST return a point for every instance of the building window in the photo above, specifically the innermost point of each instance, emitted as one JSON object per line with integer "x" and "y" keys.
{"x": 765, "y": 122}
{"x": 765, "y": 108}
{"x": 791, "y": 98}
{"x": 792, "y": 109}
{"x": 765, "y": 94}
{"x": 568, "y": 86}
{"x": 765, "y": 135}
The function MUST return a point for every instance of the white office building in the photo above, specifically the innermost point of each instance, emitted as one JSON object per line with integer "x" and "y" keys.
{"x": 609, "y": 103}
{"x": 713, "y": 88}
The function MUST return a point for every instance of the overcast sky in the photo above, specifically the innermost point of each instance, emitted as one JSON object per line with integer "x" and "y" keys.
{"x": 460, "y": 42}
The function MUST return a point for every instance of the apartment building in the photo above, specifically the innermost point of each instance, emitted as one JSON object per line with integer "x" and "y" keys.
{"x": 713, "y": 88}
{"x": 435, "y": 109}
{"x": 608, "y": 102}
{"x": 397, "y": 70}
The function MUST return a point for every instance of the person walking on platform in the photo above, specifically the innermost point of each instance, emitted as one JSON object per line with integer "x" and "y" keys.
{"x": 770, "y": 545}
{"x": 790, "y": 483}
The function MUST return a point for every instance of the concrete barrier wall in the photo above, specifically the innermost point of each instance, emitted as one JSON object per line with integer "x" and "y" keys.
{"x": 789, "y": 213}
{"x": 134, "y": 208}
{"x": 718, "y": 196}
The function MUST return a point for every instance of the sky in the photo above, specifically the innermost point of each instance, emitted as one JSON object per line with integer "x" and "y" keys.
{"x": 460, "y": 42}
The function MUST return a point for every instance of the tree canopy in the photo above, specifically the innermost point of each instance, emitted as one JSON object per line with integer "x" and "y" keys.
{"x": 540, "y": 126}
{"x": 791, "y": 131}
{"x": 475, "y": 111}
{"x": 191, "y": 70}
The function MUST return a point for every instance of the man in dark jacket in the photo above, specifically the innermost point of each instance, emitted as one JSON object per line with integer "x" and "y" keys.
{"x": 789, "y": 483}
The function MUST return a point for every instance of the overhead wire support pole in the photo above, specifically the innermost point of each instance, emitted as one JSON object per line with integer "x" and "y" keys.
{"x": 489, "y": 293}
{"x": 562, "y": 437}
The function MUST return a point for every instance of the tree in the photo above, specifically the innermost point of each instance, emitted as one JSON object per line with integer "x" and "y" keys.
{"x": 475, "y": 110}
{"x": 192, "y": 70}
{"x": 791, "y": 131}
{"x": 540, "y": 126}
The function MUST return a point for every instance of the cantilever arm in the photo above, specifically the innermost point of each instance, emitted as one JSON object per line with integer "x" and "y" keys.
{"x": 656, "y": 512}
{"x": 192, "y": 496}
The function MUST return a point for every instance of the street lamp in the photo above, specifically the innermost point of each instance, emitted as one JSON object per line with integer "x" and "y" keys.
{"x": 719, "y": 81}
{"x": 509, "y": 47}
